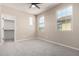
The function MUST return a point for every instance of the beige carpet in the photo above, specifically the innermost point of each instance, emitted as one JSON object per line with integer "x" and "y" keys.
{"x": 35, "y": 48}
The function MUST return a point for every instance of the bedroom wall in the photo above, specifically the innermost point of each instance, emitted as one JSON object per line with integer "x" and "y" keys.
{"x": 69, "y": 38}
{"x": 23, "y": 29}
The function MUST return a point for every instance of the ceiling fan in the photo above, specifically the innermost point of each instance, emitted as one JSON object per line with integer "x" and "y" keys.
{"x": 34, "y": 5}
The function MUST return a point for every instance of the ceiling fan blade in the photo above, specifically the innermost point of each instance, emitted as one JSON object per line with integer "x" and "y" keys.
{"x": 35, "y": 3}
{"x": 37, "y": 6}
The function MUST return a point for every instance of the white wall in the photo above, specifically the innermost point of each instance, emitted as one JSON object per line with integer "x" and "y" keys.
{"x": 0, "y": 23}
{"x": 23, "y": 29}
{"x": 70, "y": 38}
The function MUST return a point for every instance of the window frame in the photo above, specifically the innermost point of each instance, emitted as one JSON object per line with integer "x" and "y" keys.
{"x": 31, "y": 21}
{"x": 43, "y": 23}
{"x": 71, "y": 20}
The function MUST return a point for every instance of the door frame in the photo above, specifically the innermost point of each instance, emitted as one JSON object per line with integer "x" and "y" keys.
{"x": 2, "y": 28}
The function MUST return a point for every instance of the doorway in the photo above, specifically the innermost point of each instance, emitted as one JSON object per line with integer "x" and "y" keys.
{"x": 8, "y": 28}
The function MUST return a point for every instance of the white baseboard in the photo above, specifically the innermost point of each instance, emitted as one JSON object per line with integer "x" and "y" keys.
{"x": 58, "y": 43}
{"x": 23, "y": 39}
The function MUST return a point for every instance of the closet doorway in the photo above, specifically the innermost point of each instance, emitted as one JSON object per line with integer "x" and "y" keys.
{"x": 8, "y": 28}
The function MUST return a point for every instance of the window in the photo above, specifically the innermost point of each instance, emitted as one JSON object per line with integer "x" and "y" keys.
{"x": 30, "y": 21}
{"x": 41, "y": 23}
{"x": 64, "y": 17}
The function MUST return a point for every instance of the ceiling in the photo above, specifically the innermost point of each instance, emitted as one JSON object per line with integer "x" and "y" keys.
{"x": 25, "y": 7}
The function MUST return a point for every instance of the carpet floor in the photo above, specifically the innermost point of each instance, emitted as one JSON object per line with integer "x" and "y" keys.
{"x": 35, "y": 48}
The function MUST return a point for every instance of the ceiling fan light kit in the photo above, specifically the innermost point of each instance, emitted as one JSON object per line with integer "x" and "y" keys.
{"x": 33, "y": 5}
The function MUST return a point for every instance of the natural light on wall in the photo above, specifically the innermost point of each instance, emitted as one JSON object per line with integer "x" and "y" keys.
{"x": 64, "y": 18}
{"x": 41, "y": 23}
{"x": 30, "y": 21}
